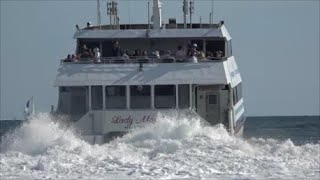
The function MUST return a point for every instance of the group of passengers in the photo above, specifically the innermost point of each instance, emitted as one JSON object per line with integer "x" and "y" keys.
{"x": 195, "y": 55}
{"x": 84, "y": 54}
{"x": 192, "y": 54}
{"x": 71, "y": 58}
{"x": 180, "y": 55}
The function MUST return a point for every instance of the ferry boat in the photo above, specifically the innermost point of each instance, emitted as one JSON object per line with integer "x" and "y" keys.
{"x": 187, "y": 68}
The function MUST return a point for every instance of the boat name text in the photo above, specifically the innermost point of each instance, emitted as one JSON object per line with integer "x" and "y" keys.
{"x": 129, "y": 120}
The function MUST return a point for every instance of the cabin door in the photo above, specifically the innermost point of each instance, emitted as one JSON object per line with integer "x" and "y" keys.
{"x": 213, "y": 107}
{"x": 208, "y": 105}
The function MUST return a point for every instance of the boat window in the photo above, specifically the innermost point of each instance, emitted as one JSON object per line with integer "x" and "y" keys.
{"x": 184, "y": 96}
{"x": 215, "y": 48}
{"x": 140, "y": 97}
{"x": 73, "y": 100}
{"x": 116, "y": 97}
{"x": 107, "y": 48}
{"x": 213, "y": 99}
{"x": 164, "y": 96}
{"x": 229, "y": 48}
{"x": 237, "y": 93}
{"x": 96, "y": 97}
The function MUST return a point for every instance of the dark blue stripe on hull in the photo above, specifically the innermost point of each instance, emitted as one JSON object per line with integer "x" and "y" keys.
{"x": 239, "y": 123}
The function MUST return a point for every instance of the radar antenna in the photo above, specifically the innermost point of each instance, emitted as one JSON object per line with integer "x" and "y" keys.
{"x": 112, "y": 12}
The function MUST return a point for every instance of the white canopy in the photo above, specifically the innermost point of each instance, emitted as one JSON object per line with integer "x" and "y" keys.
{"x": 129, "y": 74}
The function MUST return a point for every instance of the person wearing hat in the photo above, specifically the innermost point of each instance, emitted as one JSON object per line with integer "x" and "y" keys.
{"x": 194, "y": 53}
{"x": 97, "y": 54}
{"x": 193, "y": 50}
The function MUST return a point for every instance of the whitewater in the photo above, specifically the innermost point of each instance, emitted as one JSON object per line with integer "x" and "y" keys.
{"x": 169, "y": 149}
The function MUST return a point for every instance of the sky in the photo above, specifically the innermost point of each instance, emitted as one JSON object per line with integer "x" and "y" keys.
{"x": 275, "y": 43}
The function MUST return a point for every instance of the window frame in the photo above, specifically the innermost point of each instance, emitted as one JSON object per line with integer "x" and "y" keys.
{"x": 118, "y": 94}
{"x": 188, "y": 95}
{"x": 149, "y": 92}
{"x": 237, "y": 93}
{"x": 66, "y": 105}
{"x": 174, "y": 97}
{"x": 93, "y": 99}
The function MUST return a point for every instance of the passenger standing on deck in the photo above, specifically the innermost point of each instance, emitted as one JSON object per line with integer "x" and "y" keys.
{"x": 180, "y": 54}
{"x": 97, "y": 54}
{"x": 84, "y": 52}
{"x": 116, "y": 51}
{"x": 194, "y": 53}
{"x": 125, "y": 55}
{"x": 193, "y": 50}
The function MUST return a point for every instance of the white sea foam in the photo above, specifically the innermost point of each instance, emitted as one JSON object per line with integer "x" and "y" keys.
{"x": 172, "y": 148}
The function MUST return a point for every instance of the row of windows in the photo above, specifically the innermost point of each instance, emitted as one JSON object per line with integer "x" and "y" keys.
{"x": 237, "y": 93}
{"x": 140, "y": 97}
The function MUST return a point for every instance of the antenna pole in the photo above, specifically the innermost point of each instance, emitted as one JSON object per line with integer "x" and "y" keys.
{"x": 112, "y": 12}
{"x": 109, "y": 13}
{"x": 185, "y": 12}
{"x": 191, "y": 9}
{"x": 113, "y": 15}
{"x": 211, "y": 14}
{"x": 148, "y": 14}
{"x": 98, "y": 14}
{"x": 210, "y": 19}
{"x": 129, "y": 13}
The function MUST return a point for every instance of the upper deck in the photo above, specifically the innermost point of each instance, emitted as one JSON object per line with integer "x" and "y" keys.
{"x": 158, "y": 41}
{"x": 141, "y": 44}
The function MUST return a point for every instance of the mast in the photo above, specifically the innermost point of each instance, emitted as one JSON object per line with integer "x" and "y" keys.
{"x": 148, "y": 15}
{"x": 211, "y": 14}
{"x": 191, "y": 9}
{"x": 156, "y": 14}
{"x": 98, "y": 14}
{"x": 112, "y": 12}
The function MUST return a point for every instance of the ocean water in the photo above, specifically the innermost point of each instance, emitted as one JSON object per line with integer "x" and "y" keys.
{"x": 272, "y": 148}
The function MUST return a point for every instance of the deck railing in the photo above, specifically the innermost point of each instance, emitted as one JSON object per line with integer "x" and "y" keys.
{"x": 136, "y": 59}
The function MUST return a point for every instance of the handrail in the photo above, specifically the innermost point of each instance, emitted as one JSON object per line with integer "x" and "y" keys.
{"x": 136, "y": 59}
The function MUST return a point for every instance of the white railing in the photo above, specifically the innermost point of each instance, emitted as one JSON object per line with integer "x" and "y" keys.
{"x": 135, "y": 59}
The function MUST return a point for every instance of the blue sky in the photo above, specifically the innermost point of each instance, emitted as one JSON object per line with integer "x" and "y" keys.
{"x": 276, "y": 45}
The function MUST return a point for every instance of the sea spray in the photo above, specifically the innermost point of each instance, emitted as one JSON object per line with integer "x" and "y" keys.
{"x": 173, "y": 147}
{"x": 35, "y": 136}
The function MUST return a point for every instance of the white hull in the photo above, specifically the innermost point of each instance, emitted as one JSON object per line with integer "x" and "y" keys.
{"x": 98, "y": 127}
